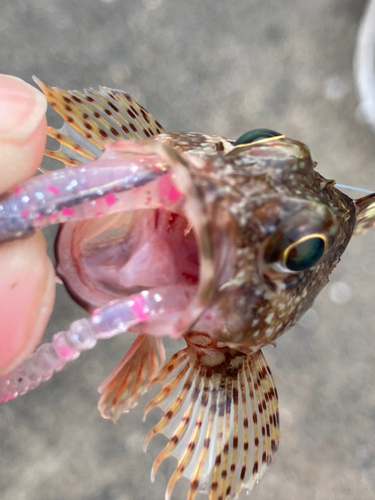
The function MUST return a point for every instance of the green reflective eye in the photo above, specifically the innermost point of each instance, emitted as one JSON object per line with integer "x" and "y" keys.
{"x": 304, "y": 253}
{"x": 256, "y": 135}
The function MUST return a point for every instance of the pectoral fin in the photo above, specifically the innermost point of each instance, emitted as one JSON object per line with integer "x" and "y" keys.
{"x": 221, "y": 420}
{"x": 132, "y": 377}
{"x": 365, "y": 208}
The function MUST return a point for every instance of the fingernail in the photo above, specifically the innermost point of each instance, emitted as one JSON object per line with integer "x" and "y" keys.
{"x": 22, "y": 107}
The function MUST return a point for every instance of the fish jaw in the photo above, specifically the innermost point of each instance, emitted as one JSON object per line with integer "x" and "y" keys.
{"x": 170, "y": 242}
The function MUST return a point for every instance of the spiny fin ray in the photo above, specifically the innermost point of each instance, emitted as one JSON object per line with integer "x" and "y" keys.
{"x": 93, "y": 119}
{"x": 132, "y": 377}
{"x": 222, "y": 425}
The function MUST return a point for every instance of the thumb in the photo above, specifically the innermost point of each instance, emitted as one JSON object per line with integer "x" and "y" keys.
{"x": 26, "y": 273}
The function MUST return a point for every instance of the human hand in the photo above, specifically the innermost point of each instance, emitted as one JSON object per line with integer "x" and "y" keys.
{"x": 27, "y": 278}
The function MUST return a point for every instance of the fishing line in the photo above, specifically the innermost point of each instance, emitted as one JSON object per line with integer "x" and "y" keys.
{"x": 362, "y": 190}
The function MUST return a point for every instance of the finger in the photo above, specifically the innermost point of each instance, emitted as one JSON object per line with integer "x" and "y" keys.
{"x": 27, "y": 276}
{"x": 23, "y": 129}
{"x": 27, "y": 293}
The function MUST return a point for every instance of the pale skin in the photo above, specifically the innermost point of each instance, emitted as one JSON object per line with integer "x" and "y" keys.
{"x": 27, "y": 278}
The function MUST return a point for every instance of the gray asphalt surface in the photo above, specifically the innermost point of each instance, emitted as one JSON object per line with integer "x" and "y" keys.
{"x": 220, "y": 67}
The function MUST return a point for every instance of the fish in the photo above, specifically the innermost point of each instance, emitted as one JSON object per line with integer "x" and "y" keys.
{"x": 225, "y": 243}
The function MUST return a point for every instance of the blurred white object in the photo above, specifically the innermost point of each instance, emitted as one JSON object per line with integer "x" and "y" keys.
{"x": 336, "y": 88}
{"x": 340, "y": 292}
{"x": 364, "y": 62}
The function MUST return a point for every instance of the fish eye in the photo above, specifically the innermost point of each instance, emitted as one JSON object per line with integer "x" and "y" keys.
{"x": 299, "y": 242}
{"x": 304, "y": 253}
{"x": 256, "y": 135}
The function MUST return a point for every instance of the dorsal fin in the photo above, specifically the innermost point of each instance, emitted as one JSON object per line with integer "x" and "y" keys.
{"x": 94, "y": 118}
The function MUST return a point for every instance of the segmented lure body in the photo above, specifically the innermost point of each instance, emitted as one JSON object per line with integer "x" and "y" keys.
{"x": 224, "y": 243}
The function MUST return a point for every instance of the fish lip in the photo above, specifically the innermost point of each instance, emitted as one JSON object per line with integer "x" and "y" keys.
{"x": 60, "y": 274}
{"x": 195, "y": 211}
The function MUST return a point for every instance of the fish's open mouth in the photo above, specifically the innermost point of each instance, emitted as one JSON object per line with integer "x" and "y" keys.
{"x": 105, "y": 258}
{"x": 122, "y": 254}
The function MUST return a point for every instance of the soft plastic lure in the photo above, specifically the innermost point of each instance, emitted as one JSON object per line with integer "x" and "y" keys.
{"x": 226, "y": 243}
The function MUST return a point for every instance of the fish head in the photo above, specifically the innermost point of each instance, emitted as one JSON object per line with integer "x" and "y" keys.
{"x": 278, "y": 230}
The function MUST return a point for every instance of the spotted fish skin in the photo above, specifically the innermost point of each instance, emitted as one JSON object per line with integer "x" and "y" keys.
{"x": 249, "y": 193}
{"x": 234, "y": 231}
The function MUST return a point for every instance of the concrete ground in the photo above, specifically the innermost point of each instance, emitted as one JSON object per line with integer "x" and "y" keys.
{"x": 220, "y": 67}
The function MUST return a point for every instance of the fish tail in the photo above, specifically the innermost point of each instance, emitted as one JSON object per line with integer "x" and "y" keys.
{"x": 132, "y": 377}
{"x": 220, "y": 417}
{"x": 94, "y": 119}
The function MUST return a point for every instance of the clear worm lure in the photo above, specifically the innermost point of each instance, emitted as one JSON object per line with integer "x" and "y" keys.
{"x": 109, "y": 185}
{"x": 105, "y": 322}
{"x": 116, "y": 182}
